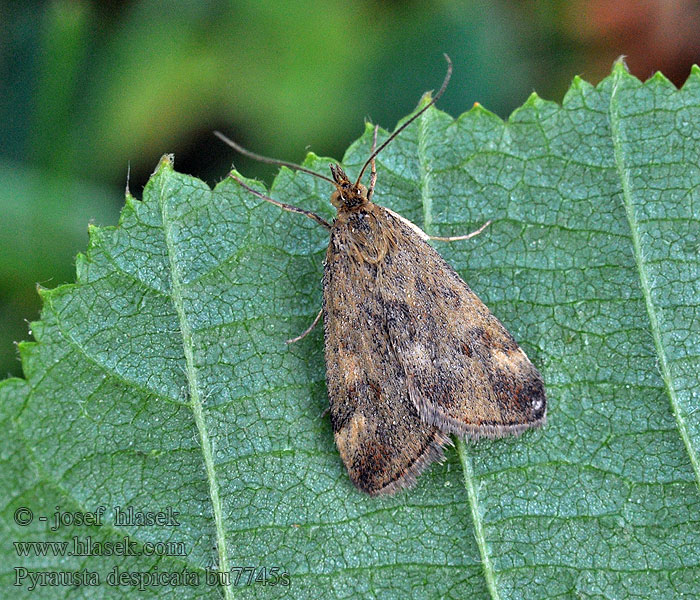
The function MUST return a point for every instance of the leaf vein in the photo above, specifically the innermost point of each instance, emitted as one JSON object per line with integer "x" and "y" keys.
{"x": 196, "y": 402}
{"x": 627, "y": 198}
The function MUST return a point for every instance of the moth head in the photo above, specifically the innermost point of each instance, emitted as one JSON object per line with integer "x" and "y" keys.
{"x": 347, "y": 195}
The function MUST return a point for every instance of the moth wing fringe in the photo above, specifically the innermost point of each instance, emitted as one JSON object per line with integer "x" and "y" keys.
{"x": 408, "y": 479}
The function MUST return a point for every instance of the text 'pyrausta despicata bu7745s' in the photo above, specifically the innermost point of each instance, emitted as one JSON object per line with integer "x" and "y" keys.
{"x": 412, "y": 354}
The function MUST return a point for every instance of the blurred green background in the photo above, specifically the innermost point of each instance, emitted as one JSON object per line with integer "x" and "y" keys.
{"x": 90, "y": 91}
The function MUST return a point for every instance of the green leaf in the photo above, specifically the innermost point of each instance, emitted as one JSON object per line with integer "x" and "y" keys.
{"x": 162, "y": 379}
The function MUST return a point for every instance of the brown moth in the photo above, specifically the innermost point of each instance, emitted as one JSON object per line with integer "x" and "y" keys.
{"x": 412, "y": 354}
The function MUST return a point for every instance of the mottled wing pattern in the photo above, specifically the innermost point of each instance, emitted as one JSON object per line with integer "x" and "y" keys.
{"x": 381, "y": 439}
{"x": 465, "y": 372}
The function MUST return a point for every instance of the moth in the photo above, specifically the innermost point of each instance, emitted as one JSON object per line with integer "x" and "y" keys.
{"x": 412, "y": 354}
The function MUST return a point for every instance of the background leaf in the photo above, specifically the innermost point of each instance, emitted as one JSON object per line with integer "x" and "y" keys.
{"x": 162, "y": 377}
{"x": 40, "y": 236}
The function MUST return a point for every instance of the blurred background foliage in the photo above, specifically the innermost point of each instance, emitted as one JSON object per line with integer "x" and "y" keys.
{"x": 92, "y": 91}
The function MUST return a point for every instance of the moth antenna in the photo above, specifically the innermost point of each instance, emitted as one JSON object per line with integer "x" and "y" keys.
{"x": 284, "y": 206}
{"x": 270, "y": 161}
{"x": 413, "y": 118}
{"x": 373, "y": 170}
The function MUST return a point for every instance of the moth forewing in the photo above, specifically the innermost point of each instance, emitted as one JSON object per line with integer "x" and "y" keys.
{"x": 390, "y": 299}
{"x": 417, "y": 230}
{"x": 380, "y": 436}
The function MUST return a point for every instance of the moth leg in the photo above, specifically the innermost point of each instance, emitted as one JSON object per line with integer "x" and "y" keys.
{"x": 373, "y": 166}
{"x": 295, "y": 209}
{"x": 460, "y": 237}
{"x": 308, "y": 330}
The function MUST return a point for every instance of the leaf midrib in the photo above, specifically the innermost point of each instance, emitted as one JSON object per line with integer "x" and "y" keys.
{"x": 193, "y": 387}
{"x": 627, "y": 192}
{"x": 465, "y": 460}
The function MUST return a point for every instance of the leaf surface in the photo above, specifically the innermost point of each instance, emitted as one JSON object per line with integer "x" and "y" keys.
{"x": 162, "y": 379}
